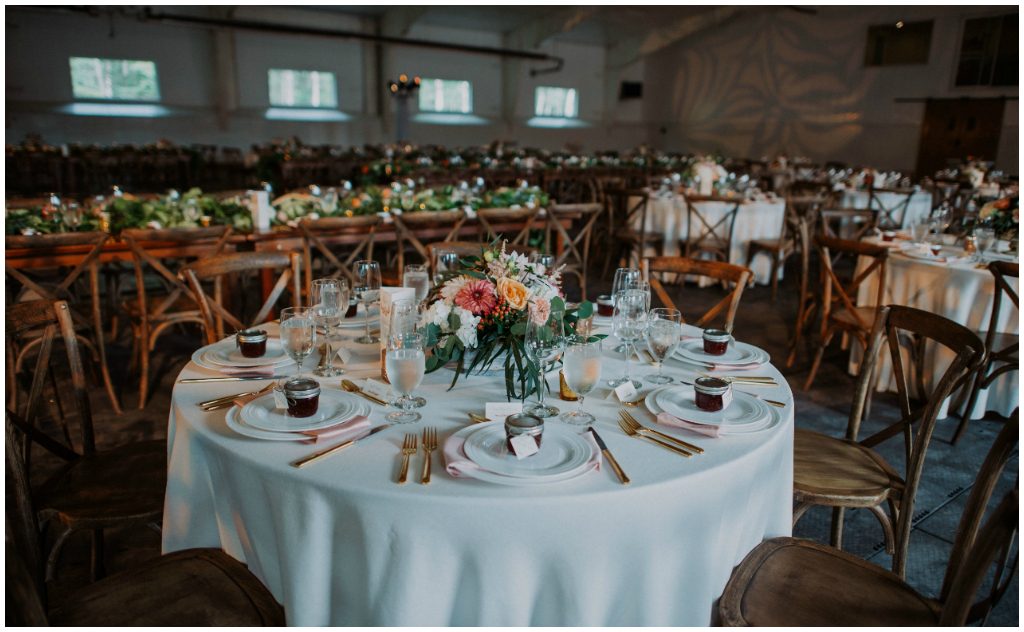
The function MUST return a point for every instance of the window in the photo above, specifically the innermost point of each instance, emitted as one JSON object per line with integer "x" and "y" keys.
{"x": 899, "y": 43}
{"x": 560, "y": 102}
{"x": 444, "y": 95}
{"x": 302, "y": 89}
{"x": 114, "y": 79}
{"x": 988, "y": 52}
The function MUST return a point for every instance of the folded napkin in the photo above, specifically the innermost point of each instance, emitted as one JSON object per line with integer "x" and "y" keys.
{"x": 249, "y": 371}
{"x": 354, "y": 428}
{"x": 459, "y": 465}
{"x": 703, "y": 429}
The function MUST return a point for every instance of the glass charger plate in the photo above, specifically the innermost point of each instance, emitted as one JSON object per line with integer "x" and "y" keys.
{"x": 745, "y": 414}
{"x": 562, "y": 452}
{"x": 499, "y": 479}
{"x": 234, "y": 421}
{"x": 737, "y": 353}
{"x": 225, "y": 353}
{"x": 335, "y": 408}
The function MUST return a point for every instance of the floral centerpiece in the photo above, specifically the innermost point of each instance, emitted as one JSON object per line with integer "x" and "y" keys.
{"x": 478, "y": 316}
{"x": 1002, "y": 215}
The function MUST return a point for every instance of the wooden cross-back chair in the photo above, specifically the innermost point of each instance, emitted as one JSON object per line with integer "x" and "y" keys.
{"x": 626, "y": 212}
{"x": 808, "y": 211}
{"x": 213, "y": 308}
{"x": 512, "y": 225}
{"x": 153, "y": 314}
{"x": 1002, "y": 350}
{"x": 420, "y": 228}
{"x": 847, "y": 223}
{"x": 575, "y": 247}
{"x": 788, "y": 582}
{"x": 564, "y": 187}
{"x": 717, "y": 270}
{"x": 792, "y": 236}
{"x": 64, "y": 290}
{"x": 848, "y": 473}
{"x": 951, "y": 194}
{"x": 890, "y": 216}
{"x": 704, "y": 236}
{"x": 317, "y": 232}
{"x": 840, "y": 312}
{"x": 94, "y": 489}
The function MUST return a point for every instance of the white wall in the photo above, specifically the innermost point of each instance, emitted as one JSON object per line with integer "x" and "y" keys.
{"x": 778, "y": 81}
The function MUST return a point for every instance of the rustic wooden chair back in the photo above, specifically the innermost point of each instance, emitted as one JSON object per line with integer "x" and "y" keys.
{"x": 575, "y": 248}
{"x": 63, "y": 291}
{"x": 836, "y": 222}
{"x": 890, "y": 216}
{"x": 1008, "y": 356}
{"x": 565, "y": 187}
{"x": 703, "y": 235}
{"x": 215, "y": 314}
{"x": 739, "y": 276}
{"x": 489, "y": 221}
{"x": 898, "y": 328}
{"x": 316, "y": 231}
{"x": 626, "y": 215}
{"x": 439, "y": 225}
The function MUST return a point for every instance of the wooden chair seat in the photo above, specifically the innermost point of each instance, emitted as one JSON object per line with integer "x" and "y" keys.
{"x": 845, "y": 317}
{"x": 781, "y": 583}
{"x": 197, "y": 587}
{"x": 825, "y": 467}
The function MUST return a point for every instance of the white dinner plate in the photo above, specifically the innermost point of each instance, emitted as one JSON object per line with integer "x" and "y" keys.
{"x": 335, "y": 407}
{"x": 519, "y": 481}
{"x": 235, "y": 422}
{"x": 680, "y": 401}
{"x": 359, "y": 320}
{"x": 726, "y": 427}
{"x": 562, "y": 452}
{"x": 226, "y": 353}
{"x": 737, "y": 353}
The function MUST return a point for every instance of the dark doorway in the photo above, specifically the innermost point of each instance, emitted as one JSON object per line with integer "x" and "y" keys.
{"x": 956, "y": 128}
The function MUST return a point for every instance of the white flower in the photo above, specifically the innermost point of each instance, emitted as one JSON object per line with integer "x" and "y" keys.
{"x": 314, "y": 215}
{"x": 155, "y": 225}
{"x": 467, "y": 327}
{"x": 437, "y": 314}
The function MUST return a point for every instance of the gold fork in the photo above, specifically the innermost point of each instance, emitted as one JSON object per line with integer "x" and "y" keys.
{"x": 633, "y": 433}
{"x": 636, "y": 425}
{"x": 429, "y": 445}
{"x": 408, "y": 449}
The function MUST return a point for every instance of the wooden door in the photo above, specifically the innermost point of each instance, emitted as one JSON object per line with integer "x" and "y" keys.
{"x": 956, "y": 128}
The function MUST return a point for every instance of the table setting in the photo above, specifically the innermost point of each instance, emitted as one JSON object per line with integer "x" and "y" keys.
{"x": 352, "y": 516}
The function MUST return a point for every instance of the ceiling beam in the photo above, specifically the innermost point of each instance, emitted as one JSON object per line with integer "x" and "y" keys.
{"x": 627, "y": 51}
{"x": 535, "y": 32}
{"x": 397, "y": 21}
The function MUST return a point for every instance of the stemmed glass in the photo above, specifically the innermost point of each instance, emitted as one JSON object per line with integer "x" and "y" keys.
{"x": 330, "y": 302}
{"x": 298, "y": 334}
{"x": 582, "y": 368}
{"x": 628, "y": 326}
{"x": 405, "y": 363}
{"x": 446, "y": 263}
{"x": 404, "y": 317}
{"x": 662, "y": 338}
{"x": 415, "y": 276}
{"x": 367, "y": 288}
{"x": 543, "y": 343}
{"x": 624, "y": 277}
{"x": 546, "y": 260}
{"x": 984, "y": 238}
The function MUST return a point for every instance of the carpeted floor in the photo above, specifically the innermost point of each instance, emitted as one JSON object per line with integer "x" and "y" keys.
{"x": 949, "y": 472}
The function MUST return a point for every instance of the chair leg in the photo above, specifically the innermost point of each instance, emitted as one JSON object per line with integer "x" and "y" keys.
{"x": 837, "y": 527}
{"x": 965, "y": 417}
{"x": 97, "y": 568}
{"x": 799, "y": 512}
{"x": 776, "y": 259}
{"x": 54, "y": 556}
{"x": 817, "y": 361}
{"x": 890, "y": 538}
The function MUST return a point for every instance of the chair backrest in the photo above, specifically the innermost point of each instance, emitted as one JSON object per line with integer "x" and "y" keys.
{"x": 836, "y": 222}
{"x": 317, "y": 232}
{"x": 702, "y": 233}
{"x": 565, "y": 187}
{"x": 627, "y": 209}
{"x": 1002, "y": 270}
{"x": 575, "y": 247}
{"x": 426, "y": 226}
{"x": 842, "y": 290}
{"x": 718, "y": 270}
{"x": 489, "y": 221}
{"x": 94, "y": 239}
{"x": 213, "y": 308}
{"x": 891, "y": 214}
{"x": 976, "y": 549}
{"x": 908, "y": 329}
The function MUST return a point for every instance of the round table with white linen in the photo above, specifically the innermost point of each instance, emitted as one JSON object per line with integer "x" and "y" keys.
{"x": 959, "y": 291}
{"x": 340, "y": 543}
{"x": 918, "y": 208}
{"x": 760, "y": 219}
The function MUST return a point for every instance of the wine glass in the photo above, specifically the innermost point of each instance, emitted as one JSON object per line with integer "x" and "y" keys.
{"x": 72, "y": 215}
{"x": 628, "y": 326}
{"x": 543, "y": 342}
{"x": 298, "y": 334}
{"x": 415, "y": 276}
{"x": 582, "y": 369}
{"x": 546, "y": 260}
{"x": 330, "y": 302}
{"x": 447, "y": 263}
{"x": 405, "y": 363}
{"x": 623, "y": 278}
{"x": 984, "y": 238}
{"x": 919, "y": 231}
{"x": 662, "y": 338}
{"x": 367, "y": 288}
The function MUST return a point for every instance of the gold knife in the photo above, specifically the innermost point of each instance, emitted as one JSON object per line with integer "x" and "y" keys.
{"x": 611, "y": 459}
{"x": 316, "y": 456}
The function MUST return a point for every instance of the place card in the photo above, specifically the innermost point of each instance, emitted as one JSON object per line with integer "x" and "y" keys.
{"x": 280, "y": 401}
{"x": 523, "y": 446}
{"x": 626, "y": 392}
{"x": 377, "y": 389}
{"x": 497, "y": 411}
{"x": 344, "y": 354}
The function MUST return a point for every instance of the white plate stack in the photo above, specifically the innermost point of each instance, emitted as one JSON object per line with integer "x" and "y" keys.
{"x": 564, "y": 455}
{"x": 259, "y": 419}
{"x": 744, "y": 415}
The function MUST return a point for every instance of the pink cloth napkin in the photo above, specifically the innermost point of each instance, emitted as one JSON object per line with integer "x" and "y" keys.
{"x": 247, "y": 371}
{"x": 459, "y": 465}
{"x": 702, "y": 429}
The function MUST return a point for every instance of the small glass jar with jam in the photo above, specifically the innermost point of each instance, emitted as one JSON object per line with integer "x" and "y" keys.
{"x": 605, "y": 305}
{"x": 712, "y": 394}
{"x": 252, "y": 342}
{"x": 352, "y": 304}
{"x": 716, "y": 341}
{"x": 523, "y": 424}
{"x": 303, "y": 396}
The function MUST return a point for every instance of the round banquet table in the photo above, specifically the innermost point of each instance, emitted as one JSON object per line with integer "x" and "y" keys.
{"x": 340, "y": 543}
{"x": 666, "y": 215}
{"x": 960, "y": 292}
{"x": 918, "y": 208}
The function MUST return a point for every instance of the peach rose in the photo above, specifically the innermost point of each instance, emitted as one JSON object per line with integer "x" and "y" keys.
{"x": 514, "y": 293}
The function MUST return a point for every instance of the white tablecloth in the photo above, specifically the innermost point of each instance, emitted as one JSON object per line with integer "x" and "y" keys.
{"x": 755, "y": 220}
{"x": 961, "y": 293}
{"x": 339, "y": 543}
{"x": 918, "y": 209}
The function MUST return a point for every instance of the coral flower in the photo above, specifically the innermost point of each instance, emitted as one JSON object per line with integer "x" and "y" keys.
{"x": 477, "y": 297}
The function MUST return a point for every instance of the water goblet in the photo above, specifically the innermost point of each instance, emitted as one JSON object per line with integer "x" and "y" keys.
{"x": 662, "y": 339}
{"x": 367, "y": 288}
{"x": 298, "y": 334}
{"x": 543, "y": 343}
{"x": 405, "y": 363}
{"x": 624, "y": 277}
{"x": 330, "y": 302}
{"x": 545, "y": 260}
{"x": 582, "y": 369}
{"x": 415, "y": 276}
{"x": 446, "y": 264}
{"x": 984, "y": 238}
{"x": 628, "y": 326}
